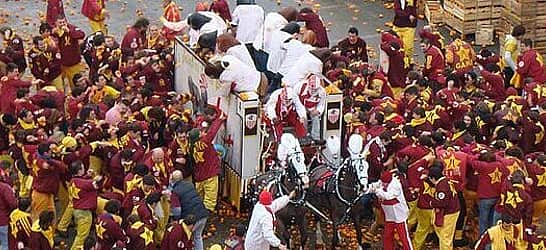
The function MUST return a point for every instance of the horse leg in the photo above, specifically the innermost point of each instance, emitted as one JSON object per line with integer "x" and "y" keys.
{"x": 313, "y": 236}
{"x": 284, "y": 232}
{"x": 303, "y": 231}
{"x": 335, "y": 238}
{"x": 356, "y": 222}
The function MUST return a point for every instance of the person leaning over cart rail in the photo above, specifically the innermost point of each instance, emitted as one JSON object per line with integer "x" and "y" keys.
{"x": 261, "y": 228}
{"x": 204, "y": 22}
{"x": 240, "y": 76}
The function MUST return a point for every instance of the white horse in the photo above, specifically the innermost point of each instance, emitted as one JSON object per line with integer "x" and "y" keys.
{"x": 289, "y": 154}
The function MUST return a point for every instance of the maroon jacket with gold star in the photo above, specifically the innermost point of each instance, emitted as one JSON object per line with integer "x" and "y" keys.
{"x": 84, "y": 196}
{"x": 109, "y": 232}
{"x": 538, "y": 174}
{"x": 69, "y": 44}
{"x": 516, "y": 202}
{"x": 177, "y": 237}
{"x": 138, "y": 233}
{"x": 490, "y": 175}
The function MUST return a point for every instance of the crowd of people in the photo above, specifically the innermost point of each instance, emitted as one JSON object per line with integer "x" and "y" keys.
{"x": 99, "y": 139}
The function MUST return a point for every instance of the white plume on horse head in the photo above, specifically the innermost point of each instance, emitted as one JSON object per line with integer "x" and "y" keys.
{"x": 333, "y": 145}
{"x": 358, "y": 158}
{"x": 355, "y": 144}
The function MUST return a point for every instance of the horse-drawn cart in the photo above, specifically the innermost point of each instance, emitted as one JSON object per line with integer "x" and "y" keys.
{"x": 244, "y": 136}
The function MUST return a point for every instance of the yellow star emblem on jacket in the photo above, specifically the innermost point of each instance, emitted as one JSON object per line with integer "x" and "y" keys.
{"x": 512, "y": 199}
{"x": 148, "y": 236}
{"x": 429, "y": 190}
{"x": 452, "y": 162}
{"x": 75, "y": 191}
{"x": 495, "y": 176}
{"x": 539, "y": 246}
{"x": 513, "y": 167}
{"x": 541, "y": 179}
{"x": 100, "y": 229}
{"x": 432, "y": 115}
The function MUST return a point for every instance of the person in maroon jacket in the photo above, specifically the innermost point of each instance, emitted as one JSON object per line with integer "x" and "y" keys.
{"x": 109, "y": 231}
{"x": 145, "y": 210}
{"x": 157, "y": 78}
{"x": 313, "y": 22}
{"x": 45, "y": 63}
{"x": 446, "y": 207}
{"x": 397, "y": 71}
{"x": 378, "y": 155}
{"x": 84, "y": 192}
{"x": 537, "y": 172}
{"x": 416, "y": 151}
{"x": 160, "y": 165}
{"x": 20, "y": 225}
{"x": 13, "y": 48}
{"x": 7, "y": 122}
{"x": 530, "y": 63}
{"x": 434, "y": 37}
{"x": 353, "y": 47}
{"x": 140, "y": 237}
{"x": 9, "y": 85}
{"x": 8, "y": 203}
{"x": 494, "y": 83}
{"x": 515, "y": 200}
{"x": 419, "y": 120}
{"x": 55, "y": 8}
{"x": 135, "y": 38}
{"x": 404, "y": 23}
{"x": 221, "y": 8}
{"x": 68, "y": 37}
{"x": 120, "y": 165}
{"x": 47, "y": 176}
{"x": 410, "y": 100}
{"x": 137, "y": 183}
{"x": 491, "y": 174}
{"x": 434, "y": 65}
{"x": 179, "y": 234}
{"x": 41, "y": 237}
{"x": 206, "y": 160}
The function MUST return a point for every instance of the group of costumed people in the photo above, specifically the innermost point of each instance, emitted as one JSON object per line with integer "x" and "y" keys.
{"x": 105, "y": 143}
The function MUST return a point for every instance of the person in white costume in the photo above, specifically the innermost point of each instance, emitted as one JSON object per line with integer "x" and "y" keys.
{"x": 261, "y": 229}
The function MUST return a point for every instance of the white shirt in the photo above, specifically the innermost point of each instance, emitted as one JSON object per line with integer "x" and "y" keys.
{"x": 305, "y": 65}
{"x": 398, "y": 212}
{"x": 294, "y": 50}
{"x": 270, "y": 106}
{"x": 273, "y": 21}
{"x": 241, "y": 52}
{"x": 249, "y": 19}
{"x": 277, "y": 53}
{"x": 260, "y": 234}
{"x": 320, "y": 95}
{"x": 215, "y": 24}
{"x": 245, "y": 77}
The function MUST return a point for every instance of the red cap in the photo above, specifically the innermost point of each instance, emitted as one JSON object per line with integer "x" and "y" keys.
{"x": 266, "y": 198}
{"x": 386, "y": 177}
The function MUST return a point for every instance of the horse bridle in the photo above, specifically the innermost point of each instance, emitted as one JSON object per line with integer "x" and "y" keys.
{"x": 349, "y": 204}
{"x": 283, "y": 190}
